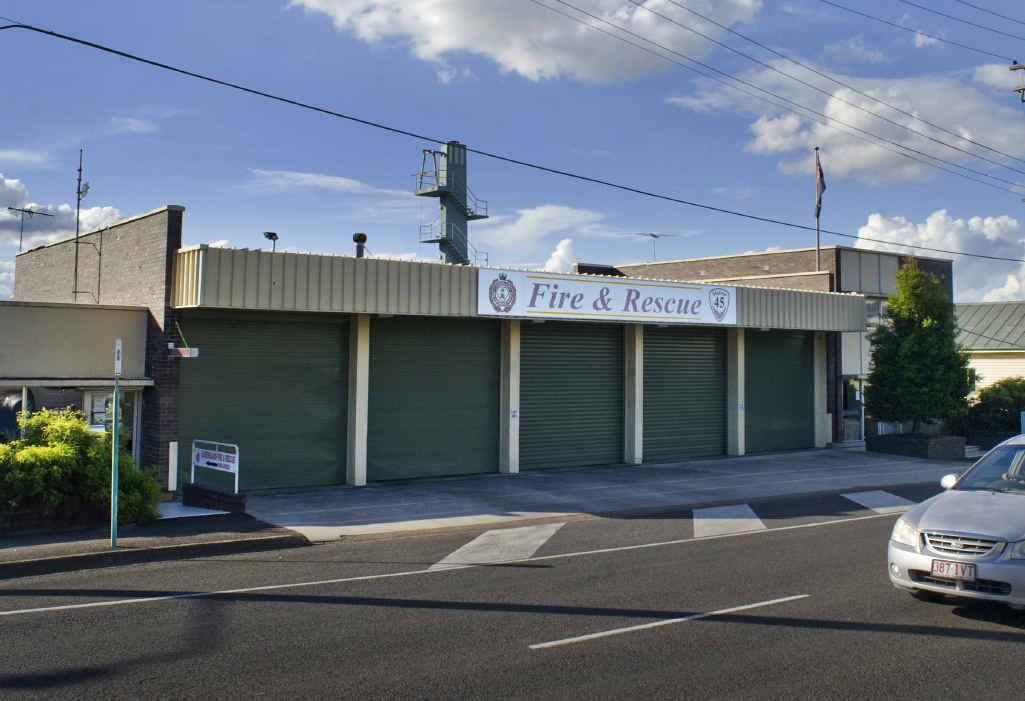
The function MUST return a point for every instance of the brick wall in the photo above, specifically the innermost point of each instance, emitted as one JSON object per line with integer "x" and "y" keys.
{"x": 127, "y": 263}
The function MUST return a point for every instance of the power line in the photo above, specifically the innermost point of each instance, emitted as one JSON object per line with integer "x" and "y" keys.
{"x": 879, "y": 140}
{"x": 963, "y": 21}
{"x": 915, "y": 31}
{"x": 498, "y": 157}
{"x": 828, "y": 93}
{"x": 841, "y": 83}
{"x": 995, "y": 14}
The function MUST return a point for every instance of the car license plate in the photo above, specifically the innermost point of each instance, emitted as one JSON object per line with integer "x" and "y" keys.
{"x": 953, "y": 570}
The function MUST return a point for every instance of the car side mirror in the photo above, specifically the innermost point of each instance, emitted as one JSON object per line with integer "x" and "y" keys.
{"x": 949, "y": 481}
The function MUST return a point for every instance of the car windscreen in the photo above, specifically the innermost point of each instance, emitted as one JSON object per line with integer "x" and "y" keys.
{"x": 1002, "y": 469}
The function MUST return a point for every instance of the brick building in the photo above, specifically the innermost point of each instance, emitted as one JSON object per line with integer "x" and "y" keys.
{"x": 328, "y": 369}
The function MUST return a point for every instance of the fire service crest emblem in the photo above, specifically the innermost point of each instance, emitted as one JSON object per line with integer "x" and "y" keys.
{"x": 719, "y": 301}
{"x": 502, "y": 293}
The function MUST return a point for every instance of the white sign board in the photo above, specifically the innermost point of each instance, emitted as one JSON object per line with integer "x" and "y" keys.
{"x": 216, "y": 456}
{"x": 117, "y": 357}
{"x": 557, "y": 296}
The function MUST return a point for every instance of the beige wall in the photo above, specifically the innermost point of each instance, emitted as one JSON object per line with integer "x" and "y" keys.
{"x": 40, "y": 341}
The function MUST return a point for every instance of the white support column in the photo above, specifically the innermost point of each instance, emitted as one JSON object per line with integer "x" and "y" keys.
{"x": 633, "y": 395}
{"x": 509, "y": 397}
{"x": 359, "y": 395}
{"x": 823, "y": 419}
{"x": 735, "y": 371}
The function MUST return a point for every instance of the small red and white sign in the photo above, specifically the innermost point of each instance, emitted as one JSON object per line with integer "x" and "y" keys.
{"x": 117, "y": 358}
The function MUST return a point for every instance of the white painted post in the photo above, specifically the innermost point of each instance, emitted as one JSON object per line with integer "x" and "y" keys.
{"x": 735, "y": 370}
{"x": 172, "y": 466}
{"x": 509, "y": 399}
{"x": 359, "y": 401}
{"x": 823, "y": 423}
{"x": 633, "y": 395}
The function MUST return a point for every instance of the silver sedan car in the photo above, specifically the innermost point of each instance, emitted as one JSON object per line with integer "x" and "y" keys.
{"x": 969, "y": 540}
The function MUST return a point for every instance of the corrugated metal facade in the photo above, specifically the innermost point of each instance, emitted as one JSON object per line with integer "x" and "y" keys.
{"x": 571, "y": 394}
{"x": 789, "y": 309}
{"x": 224, "y": 278}
{"x": 433, "y": 398}
{"x": 684, "y": 393}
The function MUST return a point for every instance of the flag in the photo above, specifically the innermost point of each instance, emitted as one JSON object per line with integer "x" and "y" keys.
{"x": 820, "y": 184}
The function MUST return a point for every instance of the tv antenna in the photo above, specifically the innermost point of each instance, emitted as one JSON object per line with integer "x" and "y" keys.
{"x": 21, "y": 229}
{"x": 653, "y": 238}
{"x": 81, "y": 190}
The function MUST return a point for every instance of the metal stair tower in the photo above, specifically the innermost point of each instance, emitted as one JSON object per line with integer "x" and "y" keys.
{"x": 443, "y": 175}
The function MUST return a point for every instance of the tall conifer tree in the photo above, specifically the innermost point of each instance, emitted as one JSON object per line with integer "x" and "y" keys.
{"x": 918, "y": 370}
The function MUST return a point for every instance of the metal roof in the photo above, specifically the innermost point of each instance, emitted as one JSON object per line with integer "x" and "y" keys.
{"x": 991, "y": 325}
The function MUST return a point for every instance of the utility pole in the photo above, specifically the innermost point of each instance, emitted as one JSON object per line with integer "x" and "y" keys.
{"x": 80, "y": 192}
{"x": 1015, "y": 66}
{"x": 21, "y": 229}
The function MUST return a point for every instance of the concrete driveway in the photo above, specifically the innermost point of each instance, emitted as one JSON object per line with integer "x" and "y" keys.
{"x": 329, "y": 513}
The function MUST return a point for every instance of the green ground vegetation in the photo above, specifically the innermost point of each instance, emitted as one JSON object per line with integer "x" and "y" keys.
{"x": 61, "y": 469}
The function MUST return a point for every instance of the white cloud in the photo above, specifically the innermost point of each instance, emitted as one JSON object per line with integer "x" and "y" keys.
{"x": 18, "y": 157}
{"x": 525, "y": 38}
{"x": 44, "y": 229}
{"x": 6, "y": 279}
{"x": 562, "y": 258}
{"x": 221, "y": 243}
{"x": 288, "y": 179}
{"x": 532, "y": 226}
{"x": 996, "y": 75}
{"x": 975, "y": 279}
{"x": 854, "y": 49}
{"x": 922, "y": 40}
{"x": 12, "y": 192}
{"x": 130, "y": 125}
{"x": 976, "y": 111}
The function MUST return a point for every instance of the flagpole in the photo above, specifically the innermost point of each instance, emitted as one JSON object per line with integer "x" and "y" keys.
{"x": 818, "y": 263}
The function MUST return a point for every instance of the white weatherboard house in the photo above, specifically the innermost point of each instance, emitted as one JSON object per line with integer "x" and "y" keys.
{"x": 993, "y": 333}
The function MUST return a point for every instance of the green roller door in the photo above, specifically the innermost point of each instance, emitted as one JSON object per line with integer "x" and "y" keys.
{"x": 571, "y": 394}
{"x": 434, "y": 396}
{"x": 273, "y": 384}
{"x": 779, "y": 390}
{"x": 684, "y": 393}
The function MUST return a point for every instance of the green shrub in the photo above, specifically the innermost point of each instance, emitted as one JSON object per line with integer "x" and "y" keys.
{"x": 61, "y": 468}
{"x": 999, "y": 406}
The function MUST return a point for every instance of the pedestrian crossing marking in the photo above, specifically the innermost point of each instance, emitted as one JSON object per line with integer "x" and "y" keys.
{"x": 500, "y": 545}
{"x": 879, "y": 501}
{"x": 722, "y": 520}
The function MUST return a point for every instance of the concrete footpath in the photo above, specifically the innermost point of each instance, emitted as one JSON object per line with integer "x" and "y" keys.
{"x": 293, "y": 518}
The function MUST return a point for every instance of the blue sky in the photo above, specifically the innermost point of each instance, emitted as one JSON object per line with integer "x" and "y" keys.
{"x": 514, "y": 78}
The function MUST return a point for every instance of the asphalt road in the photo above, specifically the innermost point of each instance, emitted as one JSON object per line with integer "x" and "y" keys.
{"x": 605, "y": 608}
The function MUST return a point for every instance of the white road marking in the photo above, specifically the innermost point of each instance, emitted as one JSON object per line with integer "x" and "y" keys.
{"x": 410, "y": 573}
{"x": 880, "y": 502}
{"x": 666, "y": 622}
{"x": 721, "y": 520}
{"x": 500, "y": 545}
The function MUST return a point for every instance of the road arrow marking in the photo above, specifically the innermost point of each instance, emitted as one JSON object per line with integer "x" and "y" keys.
{"x": 500, "y": 545}
{"x": 880, "y": 502}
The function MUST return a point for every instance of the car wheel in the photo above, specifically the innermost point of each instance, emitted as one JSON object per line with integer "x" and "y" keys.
{"x": 926, "y": 595}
